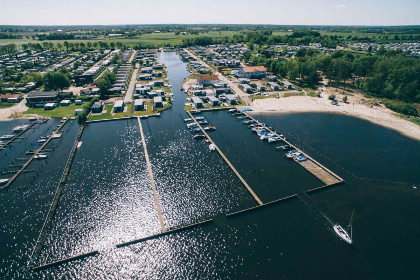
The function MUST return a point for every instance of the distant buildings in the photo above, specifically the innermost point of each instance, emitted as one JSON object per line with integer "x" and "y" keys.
{"x": 253, "y": 72}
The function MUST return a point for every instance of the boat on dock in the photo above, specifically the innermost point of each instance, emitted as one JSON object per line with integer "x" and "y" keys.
{"x": 7, "y": 137}
{"x": 284, "y": 148}
{"x": 210, "y": 128}
{"x": 273, "y": 139}
{"x": 343, "y": 234}
{"x": 199, "y": 136}
{"x": 40, "y": 156}
{"x": 301, "y": 158}
{"x": 3, "y": 181}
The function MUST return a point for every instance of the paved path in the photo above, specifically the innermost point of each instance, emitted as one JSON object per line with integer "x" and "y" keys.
{"x": 131, "y": 87}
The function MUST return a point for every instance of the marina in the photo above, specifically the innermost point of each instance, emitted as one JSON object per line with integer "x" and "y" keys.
{"x": 145, "y": 186}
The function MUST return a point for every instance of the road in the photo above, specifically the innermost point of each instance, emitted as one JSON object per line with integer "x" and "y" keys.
{"x": 131, "y": 87}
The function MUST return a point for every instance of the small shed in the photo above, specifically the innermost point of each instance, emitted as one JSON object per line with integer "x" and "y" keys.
{"x": 78, "y": 102}
{"x": 97, "y": 107}
{"x": 77, "y": 111}
{"x": 50, "y": 106}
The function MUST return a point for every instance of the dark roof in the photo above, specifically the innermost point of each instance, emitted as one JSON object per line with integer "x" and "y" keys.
{"x": 97, "y": 105}
{"x": 40, "y": 94}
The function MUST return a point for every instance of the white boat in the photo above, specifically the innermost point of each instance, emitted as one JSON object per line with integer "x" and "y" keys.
{"x": 41, "y": 140}
{"x": 232, "y": 110}
{"x": 343, "y": 234}
{"x": 199, "y": 136}
{"x": 212, "y": 147}
{"x": 209, "y": 128}
{"x": 293, "y": 154}
{"x": 273, "y": 139}
{"x": 199, "y": 118}
{"x": 7, "y": 136}
{"x": 188, "y": 120}
{"x": 40, "y": 156}
{"x": 17, "y": 129}
{"x": 3, "y": 181}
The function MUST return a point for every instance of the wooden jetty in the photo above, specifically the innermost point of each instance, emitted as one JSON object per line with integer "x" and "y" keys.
{"x": 152, "y": 180}
{"x": 318, "y": 170}
{"x": 17, "y": 136}
{"x": 31, "y": 158}
{"x": 53, "y": 264}
{"x": 228, "y": 162}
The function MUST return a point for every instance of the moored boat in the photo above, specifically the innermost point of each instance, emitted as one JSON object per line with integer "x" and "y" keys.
{"x": 209, "y": 128}
{"x": 3, "y": 181}
{"x": 212, "y": 147}
{"x": 7, "y": 136}
{"x": 199, "y": 136}
{"x": 40, "y": 156}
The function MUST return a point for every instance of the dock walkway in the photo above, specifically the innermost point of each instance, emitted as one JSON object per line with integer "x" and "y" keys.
{"x": 152, "y": 180}
{"x": 228, "y": 162}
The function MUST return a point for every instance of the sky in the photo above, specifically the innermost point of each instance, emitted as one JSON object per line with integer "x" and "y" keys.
{"x": 282, "y": 12}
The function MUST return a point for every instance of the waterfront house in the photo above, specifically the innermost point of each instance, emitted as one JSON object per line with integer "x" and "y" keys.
{"x": 11, "y": 98}
{"x": 138, "y": 105}
{"x": 97, "y": 107}
{"x": 157, "y": 102}
{"x": 213, "y": 101}
{"x": 197, "y": 102}
{"x": 119, "y": 106}
{"x": 231, "y": 99}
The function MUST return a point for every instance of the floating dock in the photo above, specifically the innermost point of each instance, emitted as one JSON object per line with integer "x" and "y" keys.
{"x": 31, "y": 158}
{"x": 53, "y": 264}
{"x": 152, "y": 180}
{"x": 17, "y": 136}
{"x": 318, "y": 170}
{"x": 228, "y": 162}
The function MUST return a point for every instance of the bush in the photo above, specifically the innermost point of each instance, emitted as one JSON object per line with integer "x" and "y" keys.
{"x": 331, "y": 97}
{"x": 345, "y": 99}
{"x": 401, "y": 107}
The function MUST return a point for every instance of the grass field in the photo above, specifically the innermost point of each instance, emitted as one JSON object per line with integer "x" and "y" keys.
{"x": 59, "y": 112}
{"x": 154, "y": 39}
{"x": 6, "y": 105}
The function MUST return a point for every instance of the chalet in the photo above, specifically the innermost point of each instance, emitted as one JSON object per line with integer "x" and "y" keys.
{"x": 197, "y": 102}
{"x": 213, "y": 101}
{"x": 97, "y": 107}
{"x": 145, "y": 77}
{"x": 207, "y": 80}
{"x": 253, "y": 72}
{"x": 50, "y": 106}
{"x": 138, "y": 105}
{"x": 287, "y": 85}
{"x": 231, "y": 99}
{"x": 247, "y": 88}
{"x": 261, "y": 87}
{"x": 119, "y": 106}
{"x": 65, "y": 103}
{"x": 11, "y": 98}
{"x": 157, "y": 102}
{"x": 274, "y": 86}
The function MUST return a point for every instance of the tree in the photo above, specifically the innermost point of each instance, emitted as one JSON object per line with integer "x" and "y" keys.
{"x": 56, "y": 81}
{"x": 59, "y": 46}
{"x": 66, "y": 44}
{"x": 345, "y": 99}
{"x": 331, "y": 97}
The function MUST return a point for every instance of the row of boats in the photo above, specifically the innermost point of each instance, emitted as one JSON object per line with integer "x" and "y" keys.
{"x": 194, "y": 128}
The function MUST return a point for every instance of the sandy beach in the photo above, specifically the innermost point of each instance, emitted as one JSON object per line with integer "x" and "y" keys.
{"x": 357, "y": 106}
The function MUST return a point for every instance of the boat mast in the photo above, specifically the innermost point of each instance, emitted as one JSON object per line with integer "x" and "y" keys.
{"x": 351, "y": 226}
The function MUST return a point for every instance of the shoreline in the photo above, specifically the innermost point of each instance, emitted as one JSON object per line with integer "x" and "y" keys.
{"x": 304, "y": 104}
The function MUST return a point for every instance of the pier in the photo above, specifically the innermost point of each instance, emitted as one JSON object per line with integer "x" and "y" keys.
{"x": 152, "y": 180}
{"x": 318, "y": 170}
{"x": 228, "y": 162}
{"x": 48, "y": 220}
{"x": 17, "y": 136}
{"x": 78, "y": 257}
{"x": 31, "y": 158}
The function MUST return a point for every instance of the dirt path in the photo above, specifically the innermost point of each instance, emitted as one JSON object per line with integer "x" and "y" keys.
{"x": 15, "y": 111}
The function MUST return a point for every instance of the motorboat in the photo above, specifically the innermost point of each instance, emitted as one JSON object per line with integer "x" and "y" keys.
{"x": 267, "y": 136}
{"x": 209, "y": 128}
{"x": 199, "y": 136}
{"x": 144, "y": 117}
{"x": 284, "y": 148}
{"x": 40, "y": 156}
{"x": 32, "y": 119}
{"x": 3, "y": 181}
{"x": 301, "y": 158}
{"x": 188, "y": 120}
{"x": 293, "y": 155}
{"x": 195, "y": 112}
{"x": 45, "y": 137}
{"x": 212, "y": 147}
{"x": 41, "y": 140}
{"x": 343, "y": 234}
{"x": 191, "y": 124}
{"x": 7, "y": 137}
{"x": 199, "y": 118}
{"x": 203, "y": 122}
{"x": 273, "y": 139}
{"x": 232, "y": 110}
{"x": 17, "y": 129}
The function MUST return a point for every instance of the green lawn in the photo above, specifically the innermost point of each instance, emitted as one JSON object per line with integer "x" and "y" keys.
{"x": 410, "y": 119}
{"x": 103, "y": 116}
{"x": 59, "y": 112}
{"x": 6, "y": 105}
{"x": 153, "y": 39}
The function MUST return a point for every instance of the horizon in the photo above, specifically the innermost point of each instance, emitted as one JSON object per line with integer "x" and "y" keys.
{"x": 246, "y": 12}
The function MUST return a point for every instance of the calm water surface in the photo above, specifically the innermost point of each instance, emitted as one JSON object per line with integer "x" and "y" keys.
{"x": 108, "y": 199}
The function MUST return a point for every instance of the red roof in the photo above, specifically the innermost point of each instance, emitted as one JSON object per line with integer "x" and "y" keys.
{"x": 208, "y": 78}
{"x": 250, "y": 69}
{"x": 10, "y": 95}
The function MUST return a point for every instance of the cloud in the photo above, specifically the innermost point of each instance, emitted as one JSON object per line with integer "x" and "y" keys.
{"x": 342, "y": 6}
